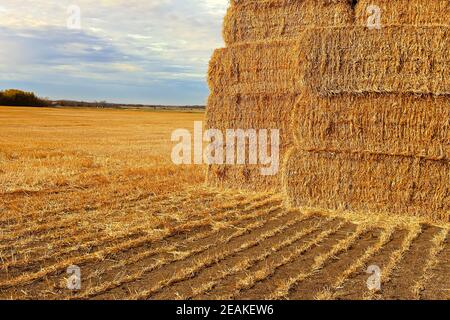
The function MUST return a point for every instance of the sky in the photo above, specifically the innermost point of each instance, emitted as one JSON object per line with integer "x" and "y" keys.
{"x": 125, "y": 51}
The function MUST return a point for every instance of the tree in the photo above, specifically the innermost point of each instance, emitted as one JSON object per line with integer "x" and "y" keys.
{"x": 14, "y": 97}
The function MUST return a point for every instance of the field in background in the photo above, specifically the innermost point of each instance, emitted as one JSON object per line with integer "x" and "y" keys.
{"x": 109, "y": 152}
{"x": 97, "y": 189}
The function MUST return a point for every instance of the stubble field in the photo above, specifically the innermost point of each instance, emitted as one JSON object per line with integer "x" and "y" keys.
{"x": 97, "y": 189}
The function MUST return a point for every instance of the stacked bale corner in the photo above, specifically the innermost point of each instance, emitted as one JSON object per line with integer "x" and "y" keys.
{"x": 255, "y": 20}
{"x": 364, "y": 113}
{"x": 253, "y": 86}
{"x": 404, "y": 12}
{"x": 254, "y": 68}
{"x": 255, "y": 81}
{"x": 372, "y": 126}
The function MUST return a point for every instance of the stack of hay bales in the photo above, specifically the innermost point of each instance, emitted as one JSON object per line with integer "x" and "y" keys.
{"x": 256, "y": 79}
{"x": 372, "y": 124}
{"x": 364, "y": 113}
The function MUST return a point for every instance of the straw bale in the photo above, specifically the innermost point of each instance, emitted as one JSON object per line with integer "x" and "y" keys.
{"x": 391, "y": 124}
{"x": 250, "y": 20}
{"x": 405, "y": 12}
{"x": 255, "y": 68}
{"x": 242, "y": 177}
{"x": 253, "y": 86}
{"x": 368, "y": 182}
{"x": 250, "y": 112}
{"x": 396, "y": 59}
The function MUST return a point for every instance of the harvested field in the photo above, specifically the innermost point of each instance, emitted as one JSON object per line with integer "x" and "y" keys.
{"x": 141, "y": 228}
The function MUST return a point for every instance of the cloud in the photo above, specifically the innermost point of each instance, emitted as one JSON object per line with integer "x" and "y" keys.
{"x": 122, "y": 44}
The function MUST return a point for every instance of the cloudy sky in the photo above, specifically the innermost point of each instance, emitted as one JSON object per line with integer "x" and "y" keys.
{"x": 136, "y": 51}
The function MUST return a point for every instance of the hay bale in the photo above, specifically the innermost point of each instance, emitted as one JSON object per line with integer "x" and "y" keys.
{"x": 391, "y": 124}
{"x": 368, "y": 182}
{"x": 253, "y": 86}
{"x": 242, "y": 177}
{"x": 252, "y": 112}
{"x": 255, "y": 68}
{"x": 250, "y": 20}
{"x": 396, "y": 59}
{"x": 405, "y": 12}
{"x": 249, "y": 112}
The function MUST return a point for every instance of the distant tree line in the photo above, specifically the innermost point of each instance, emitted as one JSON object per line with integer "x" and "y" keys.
{"x": 105, "y": 104}
{"x": 70, "y": 103}
{"x": 14, "y": 97}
